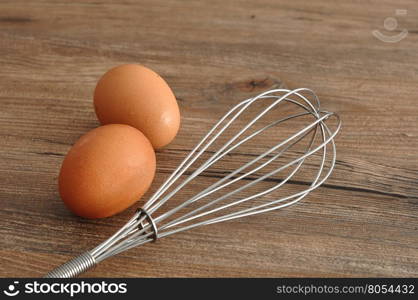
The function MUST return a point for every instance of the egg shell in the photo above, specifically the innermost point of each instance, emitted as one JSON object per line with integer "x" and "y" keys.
{"x": 135, "y": 95}
{"x": 106, "y": 171}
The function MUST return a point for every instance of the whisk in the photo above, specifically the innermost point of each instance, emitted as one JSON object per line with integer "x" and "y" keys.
{"x": 262, "y": 167}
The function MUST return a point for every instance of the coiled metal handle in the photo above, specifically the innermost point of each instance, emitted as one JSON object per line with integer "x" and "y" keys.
{"x": 73, "y": 267}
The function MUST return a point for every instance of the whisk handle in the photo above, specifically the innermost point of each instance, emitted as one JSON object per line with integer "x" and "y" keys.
{"x": 73, "y": 267}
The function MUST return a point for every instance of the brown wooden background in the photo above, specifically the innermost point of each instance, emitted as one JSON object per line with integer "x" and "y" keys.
{"x": 364, "y": 222}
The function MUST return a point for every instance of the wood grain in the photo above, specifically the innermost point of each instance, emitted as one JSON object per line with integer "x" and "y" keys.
{"x": 363, "y": 222}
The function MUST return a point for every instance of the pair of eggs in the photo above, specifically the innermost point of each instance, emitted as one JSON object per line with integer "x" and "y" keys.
{"x": 112, "y": 166}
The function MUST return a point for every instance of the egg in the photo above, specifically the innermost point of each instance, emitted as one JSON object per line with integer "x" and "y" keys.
{"x": 106, "y": 171}
{"x": 135, "y": 95}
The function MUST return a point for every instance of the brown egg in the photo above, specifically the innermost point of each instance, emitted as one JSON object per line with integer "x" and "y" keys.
{"x": 135, "y": 95}
{"x": 106, "y": 171}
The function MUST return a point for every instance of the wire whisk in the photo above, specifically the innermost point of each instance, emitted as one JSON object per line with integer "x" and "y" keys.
{"x": 266, "y": 153}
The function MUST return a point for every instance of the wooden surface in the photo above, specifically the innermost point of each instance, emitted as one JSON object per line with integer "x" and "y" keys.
{"x": 363, "y": 222}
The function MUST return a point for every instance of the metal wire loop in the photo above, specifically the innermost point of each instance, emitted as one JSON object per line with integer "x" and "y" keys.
{"x": 143, "y": 213}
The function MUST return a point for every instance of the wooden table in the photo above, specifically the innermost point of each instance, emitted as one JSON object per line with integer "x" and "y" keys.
{"x": 364, "y": 222}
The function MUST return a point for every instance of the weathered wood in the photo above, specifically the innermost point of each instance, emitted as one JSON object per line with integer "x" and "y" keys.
{"x": 363, "y": 222}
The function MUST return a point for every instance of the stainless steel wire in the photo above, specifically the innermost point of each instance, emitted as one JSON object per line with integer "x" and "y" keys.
{"x": 221, "y": 201}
